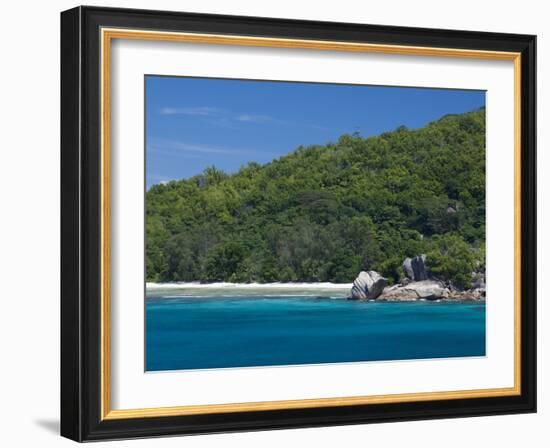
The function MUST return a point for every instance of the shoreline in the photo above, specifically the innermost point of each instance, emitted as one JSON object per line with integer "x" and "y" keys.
{"x": 224, "y": 285}
{"x": 313, "y": 290}
{"x": 246, "y": 290}
{"x": 316, "y": 297}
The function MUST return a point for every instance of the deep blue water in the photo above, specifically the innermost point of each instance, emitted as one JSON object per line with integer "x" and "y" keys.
{"x": 198, "y": 333}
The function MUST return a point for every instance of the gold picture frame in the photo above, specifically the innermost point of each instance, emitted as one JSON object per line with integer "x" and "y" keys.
{"x": 120, "y": 24}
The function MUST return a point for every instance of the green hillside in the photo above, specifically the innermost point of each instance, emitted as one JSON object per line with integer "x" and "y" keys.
{"x": 323, "y": 213}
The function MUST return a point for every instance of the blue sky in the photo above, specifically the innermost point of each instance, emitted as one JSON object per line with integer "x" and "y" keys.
{"x": 192, "y": 123}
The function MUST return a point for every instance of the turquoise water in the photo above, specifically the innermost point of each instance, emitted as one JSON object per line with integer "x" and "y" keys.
{"x": 216, "y": 332}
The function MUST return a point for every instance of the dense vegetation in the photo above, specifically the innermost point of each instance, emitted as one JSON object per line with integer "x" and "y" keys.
{"x": 323, "y": 213}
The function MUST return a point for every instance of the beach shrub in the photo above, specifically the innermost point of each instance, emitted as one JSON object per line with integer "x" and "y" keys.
{"x": 452, "y": 259}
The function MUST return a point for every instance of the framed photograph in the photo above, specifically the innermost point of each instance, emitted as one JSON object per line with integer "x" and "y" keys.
{"x": 274, "y": 223}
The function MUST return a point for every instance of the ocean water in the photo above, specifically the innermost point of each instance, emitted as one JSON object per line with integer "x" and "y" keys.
{"x": 257, "y": 328}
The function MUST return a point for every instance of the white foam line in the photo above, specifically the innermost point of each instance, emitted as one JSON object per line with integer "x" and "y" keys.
{"x": 225, "y": 285}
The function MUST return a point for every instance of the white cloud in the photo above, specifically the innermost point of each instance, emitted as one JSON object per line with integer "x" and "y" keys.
{"x": 196, "y": 111}
{"x": 153, "y": 179}
{"x": 256, "y": 118}
{"x": 178, "y": 148}
{"x": 228, "y": 119}
{"x": 219, "y": 116}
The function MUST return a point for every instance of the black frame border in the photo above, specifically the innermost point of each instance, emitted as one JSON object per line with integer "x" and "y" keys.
{"x": 81, "y": 224}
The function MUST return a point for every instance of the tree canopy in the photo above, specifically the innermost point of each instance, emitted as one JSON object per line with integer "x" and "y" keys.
{"x": 323, "y": 213}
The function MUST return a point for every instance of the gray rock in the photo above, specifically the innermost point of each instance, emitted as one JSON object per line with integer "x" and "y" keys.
{"x": 428, "y": 289}
{"x": 471, "y": 294}
{"x": 415, "y": 268}
{"x": 368, "y": 285}
{"x": 407, "y": 268}
{"x": 425, "y": 289}
{"x": 419, "y": 267}
{"x": 479, "y": 282}
{"x": 479, "y": 294}
{"x": 398, "y": 293}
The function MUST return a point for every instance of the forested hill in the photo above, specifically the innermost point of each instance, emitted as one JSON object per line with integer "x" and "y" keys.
{"x": 323, "y": 213}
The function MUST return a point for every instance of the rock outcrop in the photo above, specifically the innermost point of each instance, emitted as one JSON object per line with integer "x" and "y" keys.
{"x": 471, "y": 294}
{"x": 425, "y": 289}
{"x": 479, "y": 281}
{"x": 415, "y": 268}
{"x": 368, "y": 285}
{"x": 417, "y": 284}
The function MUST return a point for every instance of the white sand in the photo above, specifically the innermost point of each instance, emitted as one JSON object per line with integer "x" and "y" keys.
{"x": 222, "y": 289}
{"x": 225, "y": 285}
